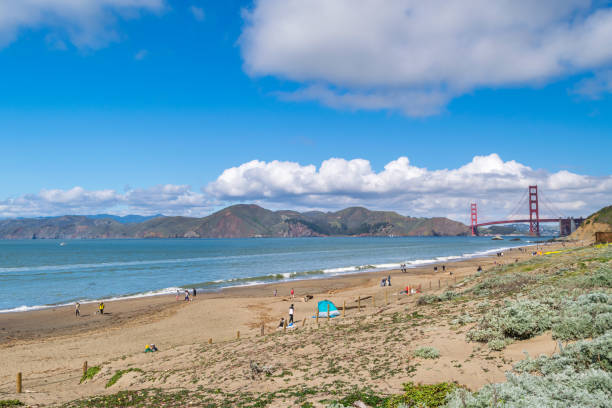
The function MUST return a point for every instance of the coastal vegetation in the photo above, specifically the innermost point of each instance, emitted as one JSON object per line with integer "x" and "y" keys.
{"x": 567, "y": 296}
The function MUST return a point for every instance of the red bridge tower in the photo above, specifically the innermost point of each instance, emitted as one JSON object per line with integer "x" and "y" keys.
{"x": 534, "y": 212}
{"x": 474, "y": 216}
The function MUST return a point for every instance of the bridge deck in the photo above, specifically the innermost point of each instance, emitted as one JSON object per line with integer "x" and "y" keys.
{"x": 516, "y": 221}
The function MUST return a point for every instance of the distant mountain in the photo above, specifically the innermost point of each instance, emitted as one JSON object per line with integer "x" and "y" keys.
{"x": 517, "y": 229}
{"x": 126, "y": 219}
{"x": 237, "y": 221}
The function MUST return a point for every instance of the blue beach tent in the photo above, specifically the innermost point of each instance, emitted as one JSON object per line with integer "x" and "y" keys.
{"x": 322, "y": 307}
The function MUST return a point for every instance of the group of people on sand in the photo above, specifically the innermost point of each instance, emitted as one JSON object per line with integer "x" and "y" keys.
{"x": 77, "y": 309}
{"x": 187, "y": 298}
{"x": 290, "y": 321}
{"x": 291, "y": 293}
{"x": 386, "y": 281}
{"x": 403, "y": 268}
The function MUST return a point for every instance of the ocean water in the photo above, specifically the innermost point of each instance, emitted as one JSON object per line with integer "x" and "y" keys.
{"x": 39, "y": 273}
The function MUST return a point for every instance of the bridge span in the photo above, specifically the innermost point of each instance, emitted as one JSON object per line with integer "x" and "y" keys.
{"x": 567, "y": 225}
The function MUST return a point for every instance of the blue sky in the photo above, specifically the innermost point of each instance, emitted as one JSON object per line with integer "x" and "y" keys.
{"x": 147, "y": 107}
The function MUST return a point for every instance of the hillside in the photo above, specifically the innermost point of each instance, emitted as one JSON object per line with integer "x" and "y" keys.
{"x": 237, "y": 221}
{"x": 600, "y": 221}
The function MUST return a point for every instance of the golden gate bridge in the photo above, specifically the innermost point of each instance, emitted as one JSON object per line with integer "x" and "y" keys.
{"x": 566, "y": 225}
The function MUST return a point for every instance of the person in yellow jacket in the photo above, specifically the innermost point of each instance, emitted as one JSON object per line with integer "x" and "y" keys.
{"x": 101, "y": 307}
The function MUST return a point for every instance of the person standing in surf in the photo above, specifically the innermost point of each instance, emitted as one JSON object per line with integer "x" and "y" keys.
{"x": 77, "y": 306}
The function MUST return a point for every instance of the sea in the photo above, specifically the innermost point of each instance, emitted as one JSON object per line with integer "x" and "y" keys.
{"x": 37, "y": 274}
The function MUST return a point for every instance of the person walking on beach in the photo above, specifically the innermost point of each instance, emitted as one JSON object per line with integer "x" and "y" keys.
{"x": 291, "y": 312}
{"x": 389, "y": 280}
{"x": 186, "y": 295}
{"x": 178, "y": 293}
{"x": 194, "y": 292}
{"x": 275, "y": 292}
{"x": 76, "y": 309}
{"x": 101, "y": 307}
{"x": 443, "y": 268}
{"x": 292, "y": 293}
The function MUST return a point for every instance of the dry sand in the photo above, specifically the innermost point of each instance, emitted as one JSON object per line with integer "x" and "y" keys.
{"x": 49, "y": 346}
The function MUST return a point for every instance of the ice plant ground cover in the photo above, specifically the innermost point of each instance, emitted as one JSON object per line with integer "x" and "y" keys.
{"x": 566, "y": 296}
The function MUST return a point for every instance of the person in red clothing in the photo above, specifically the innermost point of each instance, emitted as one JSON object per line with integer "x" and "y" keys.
{"x": 292, "y": 293}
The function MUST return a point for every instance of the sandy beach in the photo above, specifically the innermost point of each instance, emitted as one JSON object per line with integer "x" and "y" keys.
{"x": 49, "y": 346}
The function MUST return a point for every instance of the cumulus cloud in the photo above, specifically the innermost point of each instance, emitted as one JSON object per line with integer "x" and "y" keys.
{"x": 496, "y": 185}
{"x": 86, "y": 23}
{"x": 167, "y": 199}
{"x": 415, "y": 56}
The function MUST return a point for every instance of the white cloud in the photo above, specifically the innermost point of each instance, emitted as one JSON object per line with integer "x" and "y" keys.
{"x": 595, "y": 86}
{"x": 198, "y": 13}
{"x": 167, "y": 199}
{"x": 495, "y": 184}
{"x": 86, "y": 23}
{"x": 415, "y": 56}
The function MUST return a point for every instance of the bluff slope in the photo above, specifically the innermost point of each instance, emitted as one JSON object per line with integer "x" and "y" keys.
{"x": 238, "y": 221}
{"x": 600, "y": 221}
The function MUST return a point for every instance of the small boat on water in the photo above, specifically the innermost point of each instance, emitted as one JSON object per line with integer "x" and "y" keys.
{"x": 497, "y": 238}
{"x": 62, "y": 243}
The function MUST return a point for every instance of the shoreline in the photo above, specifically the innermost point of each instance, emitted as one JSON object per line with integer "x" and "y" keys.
{"x": 58, "y": 321}
{"x": 297, "y": 277}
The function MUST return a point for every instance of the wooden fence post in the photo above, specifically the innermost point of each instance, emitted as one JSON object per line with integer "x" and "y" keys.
{"x": 317, "y": 315}
{"x": 285, "y": 326}
{"x": 429, "y": 284}
{"x": 386, "y": 297}
{"x": 373, "y": 301}
{"x": 85, "y": 368}
{"x": 238, "y": 334}
{"x": 328, "y": 313}
{"x": 438, "y": 283}
{"x": 210, "y": 341}
{"x": 344, "y": 308}
{"x": 359, "y": 303}
{"x": 303, "y": 321}
{"x": 18, "y": 383}
{"x": 262, "y": 329}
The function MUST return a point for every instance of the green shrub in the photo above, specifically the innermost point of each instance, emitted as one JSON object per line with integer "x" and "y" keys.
{"x": 429, "y": 299}
{"x": 590, "y": 388}
{"x": 430, "y": 396}
{"x": 463, "y": 319}
{"x": 498, "y": 344}
{"x": 588, "y": 316}
{"x": 90, "y": 373}
{"x": 601, "y": 278}
{"x": 525, "y": 319}
{"x": 118, "y": 374}
{"x": 426, "y": 352}
{"x": 10, "y": 403}
{"x": 584, "y": 354}
{"x": 365, "y": 395}
{"x": 503, "y": 283}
